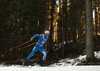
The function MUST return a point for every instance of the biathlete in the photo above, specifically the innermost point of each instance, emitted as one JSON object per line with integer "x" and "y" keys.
{"x": 39, "y": 46}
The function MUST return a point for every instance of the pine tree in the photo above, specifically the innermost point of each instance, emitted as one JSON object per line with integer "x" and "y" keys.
{"x": 89, "y": 31}
{"x": 72, "y": 16}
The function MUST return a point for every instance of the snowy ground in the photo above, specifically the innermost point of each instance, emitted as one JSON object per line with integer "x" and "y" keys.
{"x": 63, "y": 65}
{"x": 67, "y": 68}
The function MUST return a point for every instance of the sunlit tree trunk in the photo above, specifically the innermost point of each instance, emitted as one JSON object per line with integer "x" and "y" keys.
{"x": 99, "y": 15}
{"x": 59, "y": 24}
{"x": 96, "y": 21}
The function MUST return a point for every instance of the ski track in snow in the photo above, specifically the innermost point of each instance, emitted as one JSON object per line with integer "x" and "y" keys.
{"x": 63, "y": 65}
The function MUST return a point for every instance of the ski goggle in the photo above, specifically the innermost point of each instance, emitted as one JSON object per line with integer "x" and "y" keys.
{"x": 47, "y": 33}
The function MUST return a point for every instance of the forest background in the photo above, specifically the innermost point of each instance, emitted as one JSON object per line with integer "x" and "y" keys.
{"x": 67, "y": 20}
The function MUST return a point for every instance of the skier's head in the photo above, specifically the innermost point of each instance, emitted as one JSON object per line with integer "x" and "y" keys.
{"x": 47, "y": 32}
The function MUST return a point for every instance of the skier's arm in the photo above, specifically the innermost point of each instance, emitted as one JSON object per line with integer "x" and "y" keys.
{"x": 36, "y": 35}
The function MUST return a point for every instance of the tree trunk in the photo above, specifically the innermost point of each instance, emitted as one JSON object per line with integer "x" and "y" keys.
{"x": 51, "y": 25}
{"x": 89, "y": 31}
{"x": 96, "y": 21}
{"x": 79, "y": 26}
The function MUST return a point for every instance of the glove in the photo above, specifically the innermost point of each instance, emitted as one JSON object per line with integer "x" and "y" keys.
{"x": 31, "y": 39}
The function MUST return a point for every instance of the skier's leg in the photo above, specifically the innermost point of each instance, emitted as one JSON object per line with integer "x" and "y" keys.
{"x": 44, "y": 55}
{"x": 31, "y": 54}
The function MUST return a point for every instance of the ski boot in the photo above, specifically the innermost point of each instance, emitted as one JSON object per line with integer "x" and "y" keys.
{"x": 24, "y": 62}
{"x": 43, "y": 64}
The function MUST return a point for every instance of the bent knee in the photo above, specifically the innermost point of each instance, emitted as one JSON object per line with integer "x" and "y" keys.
{"x": 44, "y": 53}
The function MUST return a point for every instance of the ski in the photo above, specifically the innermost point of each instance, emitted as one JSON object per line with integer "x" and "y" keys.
{"x": 46, "y": 66}
{"x": 21, "y": 66}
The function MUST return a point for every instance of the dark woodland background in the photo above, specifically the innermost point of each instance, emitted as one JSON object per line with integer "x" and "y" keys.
{"x": 74, "y": 27}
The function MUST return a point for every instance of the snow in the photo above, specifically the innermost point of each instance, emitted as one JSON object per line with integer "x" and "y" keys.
{"x": 97, "y": 54}
{"x": 70, "y": 62}
{"x": 34, "y": 68}
{"x": 67, "y": 64}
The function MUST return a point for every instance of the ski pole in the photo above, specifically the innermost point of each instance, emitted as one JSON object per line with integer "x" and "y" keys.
{"x": 20, "y": 45}
{"x": 30, "y": 45}
{"x": 27, "y": 46}
{"x": 23, "y": 43}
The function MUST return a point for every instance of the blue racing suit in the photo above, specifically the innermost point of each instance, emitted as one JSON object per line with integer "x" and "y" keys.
{"x": 39, "y": 46}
